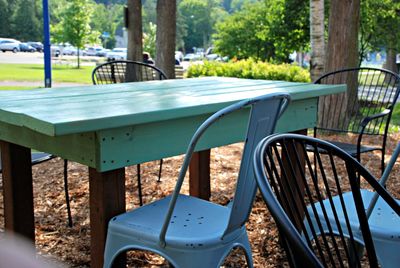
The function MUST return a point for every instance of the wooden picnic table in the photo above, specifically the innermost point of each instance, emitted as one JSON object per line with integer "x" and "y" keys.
{"x": 110, "y": 127}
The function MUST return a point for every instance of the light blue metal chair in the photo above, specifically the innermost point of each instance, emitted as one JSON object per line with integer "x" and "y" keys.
{"x": 191, "y": 232}
{"x": 383, "y": 221}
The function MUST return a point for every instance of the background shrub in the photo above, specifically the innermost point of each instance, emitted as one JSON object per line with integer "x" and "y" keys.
{"x": 250, "y": 69}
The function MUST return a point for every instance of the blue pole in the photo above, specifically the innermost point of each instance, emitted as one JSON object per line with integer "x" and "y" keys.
{"x": 47, "y": 51}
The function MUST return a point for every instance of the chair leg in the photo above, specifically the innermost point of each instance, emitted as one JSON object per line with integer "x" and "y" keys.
{"x": 67, "y": 193}
{"x": 382, "y": 162}
{"x": 139, "y": 186}
{"x": 159, "y": 172}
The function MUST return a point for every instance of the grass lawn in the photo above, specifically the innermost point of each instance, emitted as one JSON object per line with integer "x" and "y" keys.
{"x": 15, "y": 88}
{"x": 396, "y": 118}
{"x": 35, "y": 72}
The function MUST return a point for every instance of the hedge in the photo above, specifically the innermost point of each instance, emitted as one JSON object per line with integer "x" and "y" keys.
{"x": 250, "y": 69}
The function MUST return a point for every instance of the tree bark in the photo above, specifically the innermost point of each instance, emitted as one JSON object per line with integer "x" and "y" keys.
{"x": 342, "y": 52}
{"x": 165, "y": 36}
{"x": 391, "y": 60}
{"x": 135, "y": 39}
{"x": 135, "y": 31}
{"x": 317, "y": 36}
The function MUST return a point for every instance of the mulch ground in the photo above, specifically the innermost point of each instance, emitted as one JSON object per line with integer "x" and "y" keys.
{"x": 64, "y": 246}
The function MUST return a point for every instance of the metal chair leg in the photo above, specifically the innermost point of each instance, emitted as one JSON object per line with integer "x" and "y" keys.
{"x": 139, "y": 186}
{"x": 67, "y": 193}
{"x": 159, "y": 172}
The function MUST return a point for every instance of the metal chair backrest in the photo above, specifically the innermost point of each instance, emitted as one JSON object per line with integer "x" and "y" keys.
{"x": 264, "y": 113}
{"x": 377, "y": 91}
{"x": 123, "y": 71}
{"x": 296, "y": 196}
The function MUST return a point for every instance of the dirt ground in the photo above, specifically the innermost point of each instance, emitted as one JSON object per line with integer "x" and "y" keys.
{"x": 64, "y": 246}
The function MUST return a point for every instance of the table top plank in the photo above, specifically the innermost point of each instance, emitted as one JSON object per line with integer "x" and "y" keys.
{"x": 72, "y": 110}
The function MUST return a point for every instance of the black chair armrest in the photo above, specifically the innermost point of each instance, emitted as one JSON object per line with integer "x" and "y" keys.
{"x": 369, "y": 118}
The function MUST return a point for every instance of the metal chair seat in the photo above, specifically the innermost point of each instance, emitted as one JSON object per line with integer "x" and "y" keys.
{"x": 195, "y": 223}
{"x": 382, "y": 222}
{"x": 350, "y": 148}
{"x": 37, "y": 158}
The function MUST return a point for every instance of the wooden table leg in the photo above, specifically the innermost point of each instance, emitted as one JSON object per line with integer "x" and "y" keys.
{"x": 107, "y": 199}
{"x": 199, "y": 170}
{"x": 18, "y": 190}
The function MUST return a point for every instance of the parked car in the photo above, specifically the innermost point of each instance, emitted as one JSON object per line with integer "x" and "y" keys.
{"x": 101, "y": 52}
{"x": 70, "y": 50}
{"x": 118, "y": 53}
{"x": 89, "y": 51}
{"x": 212, "y": 56}
{"x": 25, "y": 47}
{"x": 37, "y": 45}
{"x": 192, "y": 57}
{"x": 9, "y": 45}
{"x": 94, "y": 51}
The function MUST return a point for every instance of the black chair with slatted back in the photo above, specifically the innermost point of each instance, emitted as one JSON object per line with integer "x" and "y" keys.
{"x": 40, "y": 157}
{"x": 124, "y": 71}
{"x": 365, "y": 110}
{"x": 321, "y": 219}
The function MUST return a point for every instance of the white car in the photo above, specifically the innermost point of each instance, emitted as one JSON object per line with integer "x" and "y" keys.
{"x": 69, "y": 50}
{"x": 91, "y": 51}
{"x": 9, "y": 45}
{"x": 118, "y": 53}
{"x": 192, "y": 57}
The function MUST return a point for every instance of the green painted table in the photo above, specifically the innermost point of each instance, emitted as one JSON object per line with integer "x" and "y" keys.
{"x": 113, "y": 126}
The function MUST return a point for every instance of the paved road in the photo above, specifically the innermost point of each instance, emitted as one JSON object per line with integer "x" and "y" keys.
{"x": 20, "y": 57}
{"x": 37, "y": 58}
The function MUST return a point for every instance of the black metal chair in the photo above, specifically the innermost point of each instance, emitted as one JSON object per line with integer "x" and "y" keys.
{"x": 40, "y": 157}
{"x": 124, "y": 71}
{"x": 366, "y": 113}
{"x": 297, "y": 198}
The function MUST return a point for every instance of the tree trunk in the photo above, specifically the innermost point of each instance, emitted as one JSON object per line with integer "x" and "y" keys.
{"x": 79, "y": 59}
{"x": 342, "y": 52}
{"x": 165, "y": 37}
{"x": 317, "y": 36}
{"x": 135, "y": 39}
{"x": 391, "y": 60}
{"x": 135, "y": 31}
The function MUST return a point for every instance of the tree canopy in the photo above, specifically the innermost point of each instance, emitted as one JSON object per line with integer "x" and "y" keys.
{"x": 380, "y": 27}
{"x": 74, "y": 27}
{"x": 265, "y": 30}
{"x": 199, "y": 17}
{"x": 21, "y": 19}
